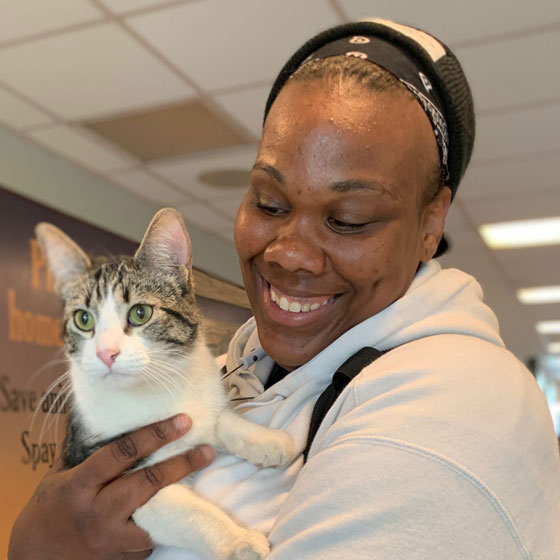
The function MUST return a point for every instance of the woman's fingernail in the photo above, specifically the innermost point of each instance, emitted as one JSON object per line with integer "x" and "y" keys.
{"x": 182, "y": 422}
{"x": 200, "y": 456}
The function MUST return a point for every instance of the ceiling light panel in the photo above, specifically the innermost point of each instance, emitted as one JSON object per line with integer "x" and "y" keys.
{"x": 25, "y": 18}
{"x": 223, "y": 44}
{"x": 539, "y": 295}
{"x": 521, "y": 233}
{"x": 548, "y": 327}
{"x": 90, "y": 72}
{"x": 466, "y": 22}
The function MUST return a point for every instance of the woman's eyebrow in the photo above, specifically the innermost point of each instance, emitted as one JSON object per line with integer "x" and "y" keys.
{"x": 272, "y": 171}
{"x": 358, "y": 185}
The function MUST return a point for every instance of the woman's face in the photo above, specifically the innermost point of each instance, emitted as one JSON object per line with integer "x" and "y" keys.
{"x": 335, "y": 223}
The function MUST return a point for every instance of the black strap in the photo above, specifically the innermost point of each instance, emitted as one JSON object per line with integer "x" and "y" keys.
{"x": 342, "y": 376}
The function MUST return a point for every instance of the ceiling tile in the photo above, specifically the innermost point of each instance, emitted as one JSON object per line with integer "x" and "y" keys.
{"x": 81, "y": 148}
{"x": 246, "y": 106}
{"x": 24, "y": 18}
{"x": 455, "y": 219}
{"x": 517, "y": 134}
{"x": 460, "y": 22}
{"x": 227, "y": 235}
{"x": 505, "y": 73}
{"x": 222, "y": 44}
{"x": 228, "y": 203}
{"x": 544, "y": 312}
{"x": 537, "y": 266}
{"x": 204, "y": 217}
{"x": 184, "y": 172}
{"x": 122, "y": 6}
{"x": 512, "y": 178}
{"x": 145, "y": 185}
{"x": 501, "y": 209}
{"x": 95, "y": 71}
{"x": 169, "y": 131}
{"x": 19, "y": 114}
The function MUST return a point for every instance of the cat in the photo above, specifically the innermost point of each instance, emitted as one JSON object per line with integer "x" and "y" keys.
{"x": 137, "y": 355}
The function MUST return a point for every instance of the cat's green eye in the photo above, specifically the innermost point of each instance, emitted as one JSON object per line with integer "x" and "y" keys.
{"x": 84, "y": 320}
{"x": 139, "y": 314}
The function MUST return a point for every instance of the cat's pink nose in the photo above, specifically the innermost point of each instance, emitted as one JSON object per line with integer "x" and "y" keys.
{"x": 108, "y": 356}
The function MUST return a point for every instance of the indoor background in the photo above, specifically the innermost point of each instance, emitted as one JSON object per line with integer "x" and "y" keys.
{"x": 110, "y": 109}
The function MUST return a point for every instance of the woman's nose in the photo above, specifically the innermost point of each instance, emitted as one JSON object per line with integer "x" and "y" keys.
{"x": 294, "y": 250}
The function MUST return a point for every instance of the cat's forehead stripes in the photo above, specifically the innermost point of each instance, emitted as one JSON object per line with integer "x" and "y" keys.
{"x": 124, "y": 283}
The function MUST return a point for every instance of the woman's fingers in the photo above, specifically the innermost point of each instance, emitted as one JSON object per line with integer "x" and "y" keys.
{"x": 128, "y": 493}
{"x": 115, "y": 458}
{"x": 85, "y": 512}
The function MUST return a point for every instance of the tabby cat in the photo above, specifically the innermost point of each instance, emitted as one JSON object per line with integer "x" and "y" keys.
{"x": 137, "y": 355}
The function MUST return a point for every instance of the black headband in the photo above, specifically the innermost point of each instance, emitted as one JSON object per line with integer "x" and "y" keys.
{"x": 405, "y": 70}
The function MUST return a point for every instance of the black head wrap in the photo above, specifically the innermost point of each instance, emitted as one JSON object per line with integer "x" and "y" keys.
{"x": 427, "y": 68}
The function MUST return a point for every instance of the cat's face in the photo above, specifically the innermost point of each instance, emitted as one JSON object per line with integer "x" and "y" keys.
{"x": 125, "y": 320}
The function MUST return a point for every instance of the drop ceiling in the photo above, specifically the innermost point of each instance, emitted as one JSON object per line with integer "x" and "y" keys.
{"x": 95, "y": 80}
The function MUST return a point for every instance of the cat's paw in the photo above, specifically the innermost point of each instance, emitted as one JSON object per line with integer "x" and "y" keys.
{"x": 251, "y": 545}
{"x": 275, "y": 449}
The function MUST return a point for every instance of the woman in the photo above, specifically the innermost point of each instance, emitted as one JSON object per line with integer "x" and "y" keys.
{"x": 442, "y": 447}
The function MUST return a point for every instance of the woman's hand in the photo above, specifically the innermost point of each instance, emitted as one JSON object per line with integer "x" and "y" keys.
{"x": 85, "y": 512}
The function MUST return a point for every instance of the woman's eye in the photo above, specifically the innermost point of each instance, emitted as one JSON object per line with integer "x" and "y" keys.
{"x": 270, "y": 210}
{"x": 140, "y": 314}
{"x": 84, "y": 320}
{"x": 345, "y": 227}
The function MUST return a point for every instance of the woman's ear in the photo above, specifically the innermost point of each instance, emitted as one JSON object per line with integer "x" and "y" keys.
{"x": 433, "y": 222}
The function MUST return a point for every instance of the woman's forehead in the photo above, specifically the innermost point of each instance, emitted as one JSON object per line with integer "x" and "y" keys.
{"x": 347, "y": 132}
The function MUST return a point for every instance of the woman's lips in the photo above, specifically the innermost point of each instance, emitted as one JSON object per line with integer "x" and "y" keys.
{"x": 295, "y": 311}
{"x": 297, "y": 304}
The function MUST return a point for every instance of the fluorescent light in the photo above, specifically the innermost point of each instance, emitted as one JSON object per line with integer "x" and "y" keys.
{"x": 553, "y": 348}
{"x": 541, "y": 294}
{"x": 548, "y": 327}
{"x": 521, "y": 233}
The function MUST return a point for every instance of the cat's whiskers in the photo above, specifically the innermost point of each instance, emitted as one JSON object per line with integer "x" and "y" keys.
{"x": 174, "y": 371}
{"x": 159, "y": 378}
{"x": 163, "y": 370}
{"x": 57, "y": 417}
{"x": 58, "y": 359}
{"x": 52, "y": 419}
{"x": 63, "y": 378}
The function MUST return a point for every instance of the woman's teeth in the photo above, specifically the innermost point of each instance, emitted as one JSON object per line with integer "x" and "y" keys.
{"x": 293, "y": 306}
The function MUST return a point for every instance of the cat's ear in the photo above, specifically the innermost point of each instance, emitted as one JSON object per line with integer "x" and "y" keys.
{"x": 65, "y": 259}
{"x": 166, "y": 244}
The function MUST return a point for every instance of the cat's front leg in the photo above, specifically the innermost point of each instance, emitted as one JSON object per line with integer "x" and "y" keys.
{"x": 178, "y": 517}
{"x": 259, "y": 445}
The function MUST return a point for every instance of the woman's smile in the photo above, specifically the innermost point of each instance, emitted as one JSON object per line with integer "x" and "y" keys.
{"x": 288, "y": 309}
